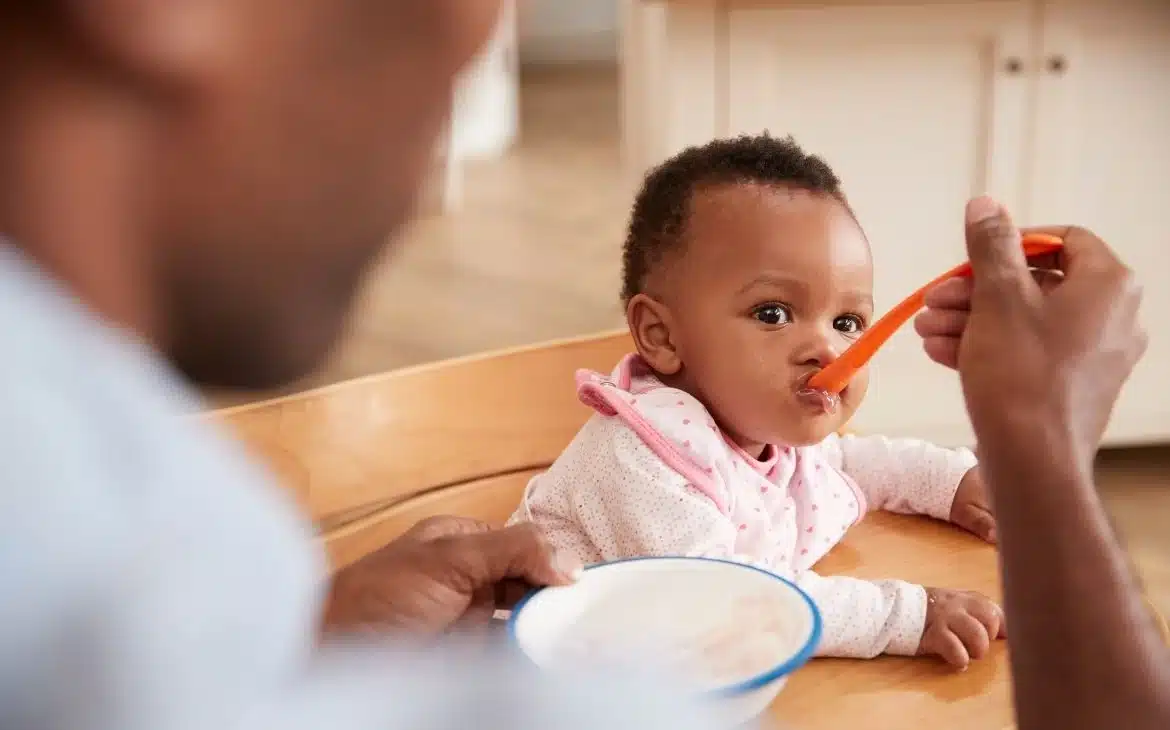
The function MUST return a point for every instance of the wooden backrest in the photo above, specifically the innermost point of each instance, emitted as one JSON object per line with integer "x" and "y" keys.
{"x": 369, "y": 457}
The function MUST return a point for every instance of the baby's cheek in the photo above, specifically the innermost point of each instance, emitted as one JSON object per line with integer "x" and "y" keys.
{"x": 769, "y": 415}
{"x": 854, "y": 395}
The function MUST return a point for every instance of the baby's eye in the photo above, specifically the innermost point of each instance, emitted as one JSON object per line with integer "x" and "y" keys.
{"x": 849, "y": 324}
{"x": 773, "y": 314}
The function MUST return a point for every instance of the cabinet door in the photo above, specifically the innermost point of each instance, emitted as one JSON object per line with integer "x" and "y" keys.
{"x": 918, "y": 108}
{"x": 1102, "y": 160}
{"x": 670, "y": 54}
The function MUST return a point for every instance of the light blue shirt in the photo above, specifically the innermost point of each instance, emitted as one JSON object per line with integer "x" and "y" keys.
{"x": 153, "y": 578}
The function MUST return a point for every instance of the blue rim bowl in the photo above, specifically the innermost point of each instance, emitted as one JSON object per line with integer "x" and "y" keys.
{"x": 788, "y": 666}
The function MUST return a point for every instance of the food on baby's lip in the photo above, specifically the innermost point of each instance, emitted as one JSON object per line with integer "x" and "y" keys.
{"x": 748, "y": 639}
{"x": 824, "y": 401}
{"x": 821, "y": 400}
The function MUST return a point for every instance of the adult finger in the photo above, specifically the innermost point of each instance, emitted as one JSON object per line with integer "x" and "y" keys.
{"x": 445, "y": 526}
{"x": 974, "y": 635}
{"x": 942, "y": 350}
{"x": 1083, "y": 250}
{"x": 993, "y": 247}
{"x": 479, "y": 610}
{"x": 951, "y": 294}
{"x": 519, "y": 552}
{"x": 955, "y": 294}
{"x": 941, "y": 322}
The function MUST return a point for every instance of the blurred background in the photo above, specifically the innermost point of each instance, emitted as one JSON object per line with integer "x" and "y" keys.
{"x": 1060, "y": 108}
{"x": 525, "y": 245}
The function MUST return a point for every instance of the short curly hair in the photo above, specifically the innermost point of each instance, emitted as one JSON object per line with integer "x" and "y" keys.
{"x": 659, "y": 216}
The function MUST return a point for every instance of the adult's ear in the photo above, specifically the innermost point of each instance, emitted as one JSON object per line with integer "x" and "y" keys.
{"x": 170, "y": 42}
{"x": 650, "y": 324}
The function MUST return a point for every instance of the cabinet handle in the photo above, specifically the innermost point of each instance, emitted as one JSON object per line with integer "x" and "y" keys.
{"x": 1057, "y": 64}
{"x": 1013, "y": 66}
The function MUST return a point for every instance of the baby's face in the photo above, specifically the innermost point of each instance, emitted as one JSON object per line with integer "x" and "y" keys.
{"x": 774, "y": 284}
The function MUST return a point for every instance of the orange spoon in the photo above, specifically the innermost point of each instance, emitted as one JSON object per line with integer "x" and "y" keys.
{"x": 833, "y": 379}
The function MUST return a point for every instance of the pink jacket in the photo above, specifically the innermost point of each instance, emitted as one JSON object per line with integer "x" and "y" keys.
{"x": 651, "y": 474}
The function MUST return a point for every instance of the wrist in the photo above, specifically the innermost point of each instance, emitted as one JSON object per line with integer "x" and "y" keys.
{"x": 1029, "y": 446}
{"x": 931, "y": 604}
{"x": 929, "y": 609}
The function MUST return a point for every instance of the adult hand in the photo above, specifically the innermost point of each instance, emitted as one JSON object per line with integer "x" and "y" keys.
{"x": 445, "y": 573}
{"x": 1040, "y": 365}
{"x": 971, "y": 507}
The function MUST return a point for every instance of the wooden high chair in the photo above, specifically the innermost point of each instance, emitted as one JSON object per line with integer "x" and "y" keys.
{"x": 371, "y": 457}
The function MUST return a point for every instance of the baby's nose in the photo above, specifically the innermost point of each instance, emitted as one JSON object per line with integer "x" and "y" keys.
{"x": 820, "y": 353}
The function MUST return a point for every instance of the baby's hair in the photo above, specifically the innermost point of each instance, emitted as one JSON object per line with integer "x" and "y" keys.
{"x": 659, "y": 217}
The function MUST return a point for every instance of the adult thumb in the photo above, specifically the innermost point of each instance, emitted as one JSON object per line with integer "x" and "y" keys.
{"x": 994, "y": 248}
{"x": 519, "y": 552}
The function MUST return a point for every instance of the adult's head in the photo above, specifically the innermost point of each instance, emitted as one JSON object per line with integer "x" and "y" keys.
{"x": 217, "y": 174}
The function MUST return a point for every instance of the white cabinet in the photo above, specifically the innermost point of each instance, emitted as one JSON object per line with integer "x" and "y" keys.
{"x": 1102, "y": 159}
{"x": 1060, "y": 109}
{"x": 914, "y": 109}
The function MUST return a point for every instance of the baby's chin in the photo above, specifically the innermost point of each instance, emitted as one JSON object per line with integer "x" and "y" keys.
{"x": 805, "y": 437}
{"x": 794, "y": 423}
{"x": 806, "y": 430}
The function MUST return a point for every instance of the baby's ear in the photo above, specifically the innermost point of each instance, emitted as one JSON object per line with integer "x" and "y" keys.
{"x": 650, "y": 325}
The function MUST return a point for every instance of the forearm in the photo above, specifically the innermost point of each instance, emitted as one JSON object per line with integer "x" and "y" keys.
{"x": 1084, "y": 650}
{"x": 908, "y": 476}
{"x": 862, "y": 619}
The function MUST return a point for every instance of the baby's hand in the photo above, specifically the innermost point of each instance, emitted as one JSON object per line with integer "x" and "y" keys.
{"x": 971, "y": 509}
{"x": 960, "y": 626}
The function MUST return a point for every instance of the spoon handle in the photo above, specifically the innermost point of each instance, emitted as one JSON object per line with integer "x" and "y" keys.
{"x": 838, "y": 373}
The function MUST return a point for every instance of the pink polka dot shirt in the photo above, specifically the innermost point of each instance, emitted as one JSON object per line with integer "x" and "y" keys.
{"x": 652, "y": 474}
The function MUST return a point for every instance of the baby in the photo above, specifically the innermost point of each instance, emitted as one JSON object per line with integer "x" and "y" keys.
{"x": 745, "y": 273}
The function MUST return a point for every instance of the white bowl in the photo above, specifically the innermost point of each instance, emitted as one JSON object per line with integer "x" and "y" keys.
{"x": 765, "y": 627}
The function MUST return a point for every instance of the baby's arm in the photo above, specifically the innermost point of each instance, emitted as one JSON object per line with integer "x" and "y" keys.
{"x": 863, "y": 619}
{"x": 631, "y": 503}
{"x": 901, "y": 475}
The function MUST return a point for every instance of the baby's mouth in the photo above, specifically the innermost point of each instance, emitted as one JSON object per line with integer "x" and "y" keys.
{"x": 822, "y": 401}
